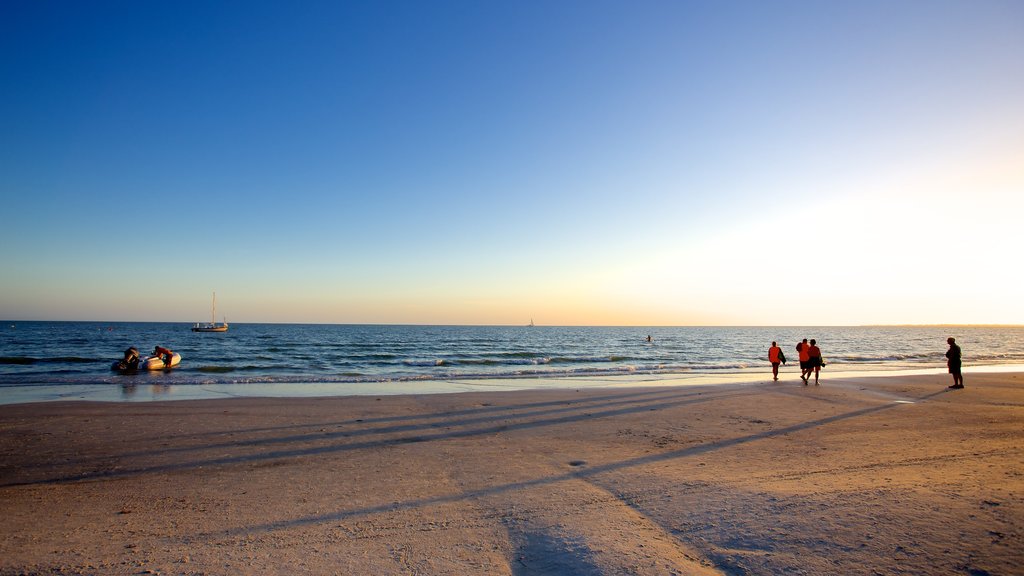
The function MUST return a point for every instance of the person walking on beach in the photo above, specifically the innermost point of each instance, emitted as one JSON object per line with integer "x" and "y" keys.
{"x": 814, "y": 360}
{"x": 776, "y": 357}
{"x": 953, "y": 362}
{"x": 805, "y": 360}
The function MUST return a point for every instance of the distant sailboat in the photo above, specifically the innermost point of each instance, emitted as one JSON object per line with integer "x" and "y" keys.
{"x": 212, "y": 325}
{"x": 530, "y": 325}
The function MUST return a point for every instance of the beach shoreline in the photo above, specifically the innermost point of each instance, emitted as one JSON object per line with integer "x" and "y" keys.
{"x": 36, "y": 363}
{"x": 160, "y": 392}
{"x": 885, "y": 474}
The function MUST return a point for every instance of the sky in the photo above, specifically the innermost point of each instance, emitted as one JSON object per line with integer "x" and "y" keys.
{"x": 585, "y": 162}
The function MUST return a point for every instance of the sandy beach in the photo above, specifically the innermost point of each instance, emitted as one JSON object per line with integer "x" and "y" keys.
{"x": 880, "y": 475}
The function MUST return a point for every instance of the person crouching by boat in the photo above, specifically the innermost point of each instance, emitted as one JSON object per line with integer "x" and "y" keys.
{"x": 163, "y": 354}
{"x": 131, "y": 360}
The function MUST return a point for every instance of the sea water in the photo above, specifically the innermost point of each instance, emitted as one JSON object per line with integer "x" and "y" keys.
{"x": 369, "y": 357}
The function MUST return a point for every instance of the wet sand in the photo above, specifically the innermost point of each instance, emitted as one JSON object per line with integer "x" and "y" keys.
{"x": 881, "y": 475}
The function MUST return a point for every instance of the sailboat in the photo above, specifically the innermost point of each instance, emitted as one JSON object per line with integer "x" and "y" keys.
{"x": 212, "y": 325}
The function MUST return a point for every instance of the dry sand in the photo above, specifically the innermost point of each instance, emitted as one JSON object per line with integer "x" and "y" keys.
{"x": 892, "y": 475}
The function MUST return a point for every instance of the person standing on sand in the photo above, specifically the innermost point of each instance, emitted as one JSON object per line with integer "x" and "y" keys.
{"x": 805, "y": 359}
{"x": 953, "y": 362}
{"x": 814, "y": 360}
{"x": 776, "y": 357}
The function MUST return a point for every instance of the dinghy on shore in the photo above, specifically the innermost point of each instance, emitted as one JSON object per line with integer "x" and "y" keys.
{"x": 147, "y": 363}
{"x": 157, "y": 363}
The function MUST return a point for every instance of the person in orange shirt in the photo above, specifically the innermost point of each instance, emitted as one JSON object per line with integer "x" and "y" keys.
{"x": 776, "y": 357}
{"x": 164, "y": 354}
{"x": 814, "y": 360}
{"x": 805, "y": 360}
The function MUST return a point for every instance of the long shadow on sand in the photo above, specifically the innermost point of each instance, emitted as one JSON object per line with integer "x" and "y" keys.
{"x": 573, "y": 475}
{"x": 492, "y": 424}
{"x": 479, "y": 410}
{"x": 489, "y": 414}
{"x": 429, "y": 421}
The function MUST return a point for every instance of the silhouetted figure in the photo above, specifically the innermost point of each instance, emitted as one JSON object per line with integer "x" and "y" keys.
{"x": 953, "y": 362}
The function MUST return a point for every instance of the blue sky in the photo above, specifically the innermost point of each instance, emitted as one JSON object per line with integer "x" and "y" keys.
{"x": 642, "y": 163}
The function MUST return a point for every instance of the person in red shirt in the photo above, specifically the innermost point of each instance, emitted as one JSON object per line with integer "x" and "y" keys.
{"x": 164, "y": 354}
{"x": 805, "y": 360}
{"x": 776, "y": 357}
{"x": 814, "y": 360}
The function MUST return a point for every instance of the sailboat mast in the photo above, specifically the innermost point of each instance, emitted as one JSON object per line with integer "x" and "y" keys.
{"x": 213, "y": 309}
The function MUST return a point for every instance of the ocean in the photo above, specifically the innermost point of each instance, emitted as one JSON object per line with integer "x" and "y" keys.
{"x": 79, "y": 354}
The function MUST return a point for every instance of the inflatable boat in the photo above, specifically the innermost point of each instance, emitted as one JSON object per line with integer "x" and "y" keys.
{"x": 147, "y": 363}
{"x": 157, "y": 363}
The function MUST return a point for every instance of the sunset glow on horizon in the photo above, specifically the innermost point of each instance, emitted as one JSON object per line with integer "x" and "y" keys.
{"x": 576, "y": 163}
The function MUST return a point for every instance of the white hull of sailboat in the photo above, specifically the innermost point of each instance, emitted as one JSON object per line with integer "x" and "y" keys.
{"x": 212, "y": 325}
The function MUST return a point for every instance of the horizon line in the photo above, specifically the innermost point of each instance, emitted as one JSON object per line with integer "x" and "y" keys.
{"x": 874, "y": 325}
